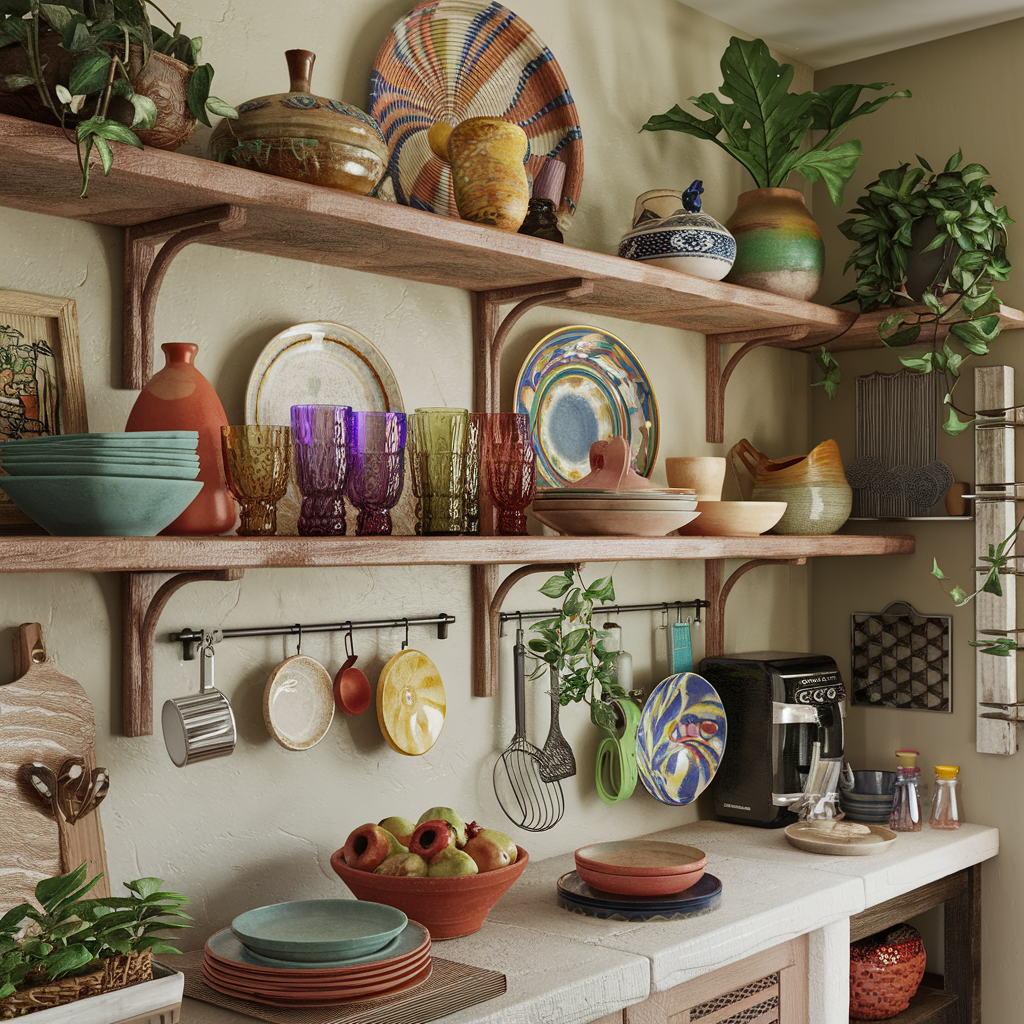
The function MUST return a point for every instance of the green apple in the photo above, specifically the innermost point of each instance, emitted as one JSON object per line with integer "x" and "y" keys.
{"x": 407, "y": 865}
{"x": 504, "y": 841}
{"x": 400, "y": 828}
{"x": 451, "y": 861}
{"x": 395, "y": 844}
{"x": 452, "y": 817}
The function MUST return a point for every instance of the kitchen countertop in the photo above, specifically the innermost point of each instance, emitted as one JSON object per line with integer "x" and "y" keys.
{"x": 575, "y": 969}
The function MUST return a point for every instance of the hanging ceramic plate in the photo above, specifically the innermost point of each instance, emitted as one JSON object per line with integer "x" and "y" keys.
{"x": 322, "y": 364}
{"x": 298, "y": 703}
{"x": 681, "y": 738}
{"x": 410, "y": 702}
{"x": 580, "y": 385}
{"x": 451, "y": 59}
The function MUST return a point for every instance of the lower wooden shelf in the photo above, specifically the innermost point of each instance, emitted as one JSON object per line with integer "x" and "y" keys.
{"x": 929, "y": 1006}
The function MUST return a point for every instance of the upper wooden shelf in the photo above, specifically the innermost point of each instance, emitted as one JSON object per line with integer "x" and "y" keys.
{"x": 168, "y": 554}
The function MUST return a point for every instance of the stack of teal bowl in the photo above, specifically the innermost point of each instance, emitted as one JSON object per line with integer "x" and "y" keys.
{"x": 102, "y": 485}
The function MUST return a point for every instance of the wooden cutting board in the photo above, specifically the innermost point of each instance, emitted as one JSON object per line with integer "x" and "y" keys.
{"x": 45, "y": 717}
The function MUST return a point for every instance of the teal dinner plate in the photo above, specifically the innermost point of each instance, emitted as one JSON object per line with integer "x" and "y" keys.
{"x": 223, "y": 945}
{"x": 171, "y": 438}
{"x": 318, "y": 930}
{"x": 580, "y": 385}
{"x": 86, "y": 467}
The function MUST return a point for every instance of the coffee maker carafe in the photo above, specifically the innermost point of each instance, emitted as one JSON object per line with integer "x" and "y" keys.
{"x": 785, "y": 749}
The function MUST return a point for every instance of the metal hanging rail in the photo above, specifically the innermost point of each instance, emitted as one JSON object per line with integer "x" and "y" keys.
{"x": 189, "y": 637}
{"x": 608, "y": 609}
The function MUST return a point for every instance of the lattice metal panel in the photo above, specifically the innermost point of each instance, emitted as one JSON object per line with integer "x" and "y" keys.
{"x": 712, "y": 1007}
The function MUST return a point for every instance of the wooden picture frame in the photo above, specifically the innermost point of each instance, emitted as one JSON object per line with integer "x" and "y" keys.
{"x": 41, "y": 385}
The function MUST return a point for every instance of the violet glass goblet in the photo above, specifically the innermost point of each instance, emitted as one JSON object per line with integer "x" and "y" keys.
{"x": 376, "y": 474}
{"x": 321, "y": 465}
{"x": 510, "y": 463}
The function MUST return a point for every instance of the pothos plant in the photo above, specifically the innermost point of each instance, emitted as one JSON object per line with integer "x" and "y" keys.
{"x": 571, "y": 645}
{"x": 100, "y": 34}
{"x": 970, "y": 231}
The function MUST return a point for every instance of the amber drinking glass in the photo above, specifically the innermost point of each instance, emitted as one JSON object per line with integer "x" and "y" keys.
{"x": 257, "y": 461}
{"x": 321, "y": 465}
{"x": 510, "y": 468}
{"x": 376, "y": 474}
{"x": 438, "y": 463}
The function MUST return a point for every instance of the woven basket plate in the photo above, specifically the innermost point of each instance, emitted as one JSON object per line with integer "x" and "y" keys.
{"x": 451, "y": 59}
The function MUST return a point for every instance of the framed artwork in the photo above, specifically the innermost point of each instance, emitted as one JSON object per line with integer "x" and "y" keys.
{"x": 41, "y": 387}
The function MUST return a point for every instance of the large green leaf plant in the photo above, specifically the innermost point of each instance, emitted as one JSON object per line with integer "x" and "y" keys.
{"x": 765, "y": 125}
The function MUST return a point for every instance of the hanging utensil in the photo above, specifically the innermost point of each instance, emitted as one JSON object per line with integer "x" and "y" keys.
{"x": 298, "y": 701}
{"x": 351, "y": 687}
{"x": 527, "y": 800}
{"x": 615, "y": 770}
{"x": 556, "y": 759}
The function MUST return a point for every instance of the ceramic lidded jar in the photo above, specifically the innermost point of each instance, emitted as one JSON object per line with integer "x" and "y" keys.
{"x": 669, "y": 230}
{"x": 179, "y": 397}
{"x": 305, "y": 137}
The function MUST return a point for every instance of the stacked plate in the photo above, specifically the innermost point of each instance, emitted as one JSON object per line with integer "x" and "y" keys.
{"x": 102, "y": 485}
{"x": 641, "y": 867}
{"x": 632, "y": 513}
{"x": 317, "y": 954}
{"x": 578, "y": 897}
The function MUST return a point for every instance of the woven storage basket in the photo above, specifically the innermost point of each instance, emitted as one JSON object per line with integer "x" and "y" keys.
{"x": 116, "y": 972}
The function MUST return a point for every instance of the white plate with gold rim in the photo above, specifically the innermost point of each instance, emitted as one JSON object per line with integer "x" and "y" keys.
{"x": 298, "y": 703}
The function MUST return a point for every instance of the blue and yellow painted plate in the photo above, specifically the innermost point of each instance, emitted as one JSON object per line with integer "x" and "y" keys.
{"x": 681, "y": 738}
{"x": 580, "y": 385}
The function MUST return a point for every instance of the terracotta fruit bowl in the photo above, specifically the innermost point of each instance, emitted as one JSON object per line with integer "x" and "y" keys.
{"x": 446, "y": 907}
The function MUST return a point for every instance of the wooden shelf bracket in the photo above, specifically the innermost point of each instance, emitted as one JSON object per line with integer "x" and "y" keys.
{"x": 146, "y": 262}
{"x": 143, "y": 597}
{"x": 718, "y": 593}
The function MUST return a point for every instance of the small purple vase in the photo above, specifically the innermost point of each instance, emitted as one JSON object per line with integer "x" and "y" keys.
{"x": 321, "y": 466}
{"x": 376, "y": 458}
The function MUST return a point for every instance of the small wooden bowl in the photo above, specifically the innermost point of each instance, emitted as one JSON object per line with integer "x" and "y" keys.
{"x": 734, "y": 518}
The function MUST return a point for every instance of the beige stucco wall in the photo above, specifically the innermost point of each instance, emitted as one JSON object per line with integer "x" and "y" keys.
{"x": 260, "y": 826}
{"x": 965, "y": 95}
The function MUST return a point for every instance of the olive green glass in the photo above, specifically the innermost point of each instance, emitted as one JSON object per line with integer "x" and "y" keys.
{"x": 437, "y": 458}
{"x": 257, "y": 461}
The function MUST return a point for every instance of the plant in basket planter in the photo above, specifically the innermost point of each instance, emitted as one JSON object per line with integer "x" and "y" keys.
{"x": 101, "y": 71}
{"x": 69, "y": 947}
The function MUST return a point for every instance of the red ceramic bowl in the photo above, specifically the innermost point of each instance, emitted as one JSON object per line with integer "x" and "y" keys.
{"x": 640, "y": 885}
{"x": 446, "y": 907}
{"x": 639, "y": 857}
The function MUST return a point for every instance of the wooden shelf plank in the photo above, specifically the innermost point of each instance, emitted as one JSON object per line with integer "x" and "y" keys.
{"x": 168, "y": 554}
{"x": 928, "y": 1006}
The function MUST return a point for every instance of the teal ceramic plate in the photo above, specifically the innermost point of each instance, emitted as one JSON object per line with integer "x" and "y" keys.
{"x": 580, "y": 385}
{"x": 171, "y": 438}
{"x": 317, "y": 930}
{"x": 224, "y": 946}
{"x": 681, "y": 738}
{"x": 84, "y": 467}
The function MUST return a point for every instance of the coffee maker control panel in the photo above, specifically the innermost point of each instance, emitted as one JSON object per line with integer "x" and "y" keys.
{"x": 823, "y": 688}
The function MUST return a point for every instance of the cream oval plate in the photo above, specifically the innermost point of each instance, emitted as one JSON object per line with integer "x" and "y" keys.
{"x": 838, "y": 838}
{"x": 298, "y": 703}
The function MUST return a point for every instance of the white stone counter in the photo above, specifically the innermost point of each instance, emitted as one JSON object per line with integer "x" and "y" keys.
{"x": 575, "y": 969}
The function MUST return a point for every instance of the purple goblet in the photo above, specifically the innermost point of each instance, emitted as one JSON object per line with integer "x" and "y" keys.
{"x": 321, "y": 465}
{"x": 376, "y": 457}
{"x": 511, "y": 468}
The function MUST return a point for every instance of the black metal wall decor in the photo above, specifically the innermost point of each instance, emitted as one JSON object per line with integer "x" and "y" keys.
{"x": 900, "y": 659}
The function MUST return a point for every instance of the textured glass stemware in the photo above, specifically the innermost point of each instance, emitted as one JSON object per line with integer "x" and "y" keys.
{"x": 321, "y": 466}
{"x": 257, "y": 461}
{"x": 376, "y": 454}
{"x": 510, "y": 463}
{"x": 439, "y": 468}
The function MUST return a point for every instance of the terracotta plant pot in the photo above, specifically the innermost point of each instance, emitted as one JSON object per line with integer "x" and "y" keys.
{"x": 778, "y": 245}
{"x": 309, "y": 138}
{"x": 179, "y": 397}
{"x": 446, "y": 907}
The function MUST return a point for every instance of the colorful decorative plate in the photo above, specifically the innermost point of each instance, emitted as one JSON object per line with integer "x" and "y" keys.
{"x": 447, "y": 60}
{"x": 580, "y": 385}
{"x": 681, "y": 738}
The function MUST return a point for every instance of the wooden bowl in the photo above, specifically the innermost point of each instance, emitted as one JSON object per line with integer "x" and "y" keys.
{"x": 446, "y": 907}
{"x": 734, "y": 518}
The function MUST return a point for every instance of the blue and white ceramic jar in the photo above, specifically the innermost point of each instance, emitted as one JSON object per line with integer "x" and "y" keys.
{"x": 670, "y": 231}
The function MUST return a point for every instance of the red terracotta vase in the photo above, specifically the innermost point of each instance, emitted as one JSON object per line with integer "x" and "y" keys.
{"x": 179, "y": 397}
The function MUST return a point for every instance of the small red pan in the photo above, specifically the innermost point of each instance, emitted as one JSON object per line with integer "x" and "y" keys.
{"x": 351, "y": 687}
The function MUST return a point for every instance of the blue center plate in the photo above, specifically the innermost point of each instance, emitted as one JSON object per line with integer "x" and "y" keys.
{"x": 580, "y": 385}
{"x": 681, "y": 738}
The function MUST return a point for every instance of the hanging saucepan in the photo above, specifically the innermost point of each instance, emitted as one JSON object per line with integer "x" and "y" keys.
{"x": 298, "y": 701}
{"x": 410, "y": 701}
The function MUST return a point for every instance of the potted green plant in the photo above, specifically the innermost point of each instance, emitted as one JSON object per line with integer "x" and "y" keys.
{"x": 103, "y": 73}
{"x": 69, "y": 947}
{"x": 906, "y": 216}
{"x": 778, "y": 245}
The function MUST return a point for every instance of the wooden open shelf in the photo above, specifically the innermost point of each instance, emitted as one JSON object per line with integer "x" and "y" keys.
{"x": 928, "y": 1006}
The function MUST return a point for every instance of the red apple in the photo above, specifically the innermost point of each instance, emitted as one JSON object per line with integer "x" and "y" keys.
{"x": 367, "y": 847}
{"x": 431, "y": 838}
{"x": 487, "y": 853}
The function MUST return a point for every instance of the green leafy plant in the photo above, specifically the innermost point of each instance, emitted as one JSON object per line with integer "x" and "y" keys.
{"x": 765, "y": 125}
{"x": 574, "y": 648}
{"x": 100, "y": 35}
{"x": 970, "y": 230}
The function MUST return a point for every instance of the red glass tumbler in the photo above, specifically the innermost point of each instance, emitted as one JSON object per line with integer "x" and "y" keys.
{"x": 510, "y": 464}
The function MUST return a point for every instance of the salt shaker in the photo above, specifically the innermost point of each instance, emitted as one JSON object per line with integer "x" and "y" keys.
{"x": 906, "y": 801}
{"x": 946, "y": 802}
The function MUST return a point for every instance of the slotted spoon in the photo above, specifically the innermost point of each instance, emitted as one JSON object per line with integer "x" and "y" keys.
{"x": 527, "y": 800}
{"x": 557, "y": 760}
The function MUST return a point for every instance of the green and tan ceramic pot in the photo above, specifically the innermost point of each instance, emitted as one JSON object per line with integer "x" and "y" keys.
{"x": 778, "y": 245}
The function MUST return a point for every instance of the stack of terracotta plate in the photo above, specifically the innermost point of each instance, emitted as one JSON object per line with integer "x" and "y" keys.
{"x": 641, "y": 867}
{"x": 302, "y": 970}
{"x": 654, "y": 512}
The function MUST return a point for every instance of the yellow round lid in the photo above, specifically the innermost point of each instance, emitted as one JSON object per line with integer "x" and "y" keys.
{"x": 906, "y": 758}
{"x": 946, "y": 771}
{"x": 410, "y": 702}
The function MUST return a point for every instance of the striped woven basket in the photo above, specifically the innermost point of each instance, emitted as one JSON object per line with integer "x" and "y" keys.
{"x": 451, "y": 59}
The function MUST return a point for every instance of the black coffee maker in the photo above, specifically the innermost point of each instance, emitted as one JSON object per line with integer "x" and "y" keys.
{"x": 784, "y": 715}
